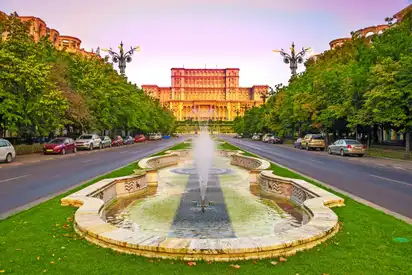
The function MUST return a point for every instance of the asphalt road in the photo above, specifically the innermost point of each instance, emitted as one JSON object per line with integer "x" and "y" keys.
{"x": 385, "y": 186}
{"x": 30, "y": 183}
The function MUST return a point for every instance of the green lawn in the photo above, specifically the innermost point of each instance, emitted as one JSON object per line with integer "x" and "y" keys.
{"x": 42, "y": 239}
{"x": 388, "y": 153}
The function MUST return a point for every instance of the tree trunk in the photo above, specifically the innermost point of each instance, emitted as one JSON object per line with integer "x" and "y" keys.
{"x": 369, "y": 137}
{"x": 326, "y": 139}
{"x": 375, "y": 134}
{"x": 408, "y": 141}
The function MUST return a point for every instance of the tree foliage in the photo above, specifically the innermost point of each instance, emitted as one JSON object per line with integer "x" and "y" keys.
{"x": 361, "y": 86}
{"x": 43, "y": 90}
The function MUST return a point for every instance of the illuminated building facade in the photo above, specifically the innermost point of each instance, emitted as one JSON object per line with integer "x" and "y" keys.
{"x": 203, "y": 94}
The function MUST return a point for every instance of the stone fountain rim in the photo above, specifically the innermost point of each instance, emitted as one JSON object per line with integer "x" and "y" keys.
{"x": 323, "y": 225}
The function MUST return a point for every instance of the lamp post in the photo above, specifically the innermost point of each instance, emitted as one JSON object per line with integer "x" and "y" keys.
{"x": 122, "y": 57}
{"x": 293, "y": 58}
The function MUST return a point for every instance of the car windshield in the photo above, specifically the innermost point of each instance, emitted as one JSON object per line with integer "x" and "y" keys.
{"x": 269, "y": 135}
{"x": 57, "y": 141}
{"x": 86, "y": 137}
{"x": 352, "y": 141}
{"x": 317, "y": 137}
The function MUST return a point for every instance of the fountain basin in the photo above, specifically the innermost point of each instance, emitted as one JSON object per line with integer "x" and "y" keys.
{"x": 94, "y": 199}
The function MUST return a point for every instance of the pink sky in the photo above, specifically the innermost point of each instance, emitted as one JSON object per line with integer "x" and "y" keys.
{"x": 192, "y": 33}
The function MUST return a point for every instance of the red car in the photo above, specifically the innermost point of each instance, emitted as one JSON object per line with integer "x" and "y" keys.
{"x": 117, "y": 141}
{"x": 139, "y": 138}
{"x": 60, "y": 145}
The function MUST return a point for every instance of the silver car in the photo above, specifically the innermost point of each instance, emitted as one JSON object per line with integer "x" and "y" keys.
{"x": 267, "y": 137}
{"x": 7, "y": 152}
{"x": 106, "y": 142}
{"x": 345, "y": 147}
{"x": 89, "y": 142}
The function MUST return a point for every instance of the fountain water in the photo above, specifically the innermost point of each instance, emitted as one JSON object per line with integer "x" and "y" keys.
{"x": 203, "y": 152}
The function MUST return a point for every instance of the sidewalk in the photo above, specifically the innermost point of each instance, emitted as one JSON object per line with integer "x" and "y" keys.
{"x": 38, "y": 157}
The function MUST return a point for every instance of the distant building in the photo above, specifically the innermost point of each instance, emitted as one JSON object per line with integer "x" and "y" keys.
{"x": 368, "y": 31}
{"x": 39, "y": 29}
{"x": 203, "y": 94}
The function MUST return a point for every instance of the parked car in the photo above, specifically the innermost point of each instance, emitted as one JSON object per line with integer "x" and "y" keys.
{"x": 89, "y": 142}
{"x": 7, "y": 152}
{"x": 106, "y": 142}
{"x": 238, "y": 136}
{"x": 166, "y": 137}
{"x": 60, "y": 145}
{"x": 275, "y": 140}
{"x": 256, "y": 137}
{"x": 155, "y": 136}
{"x": 298, "y": 143}
{"x": 266, "y": 138}
{"x": 128, "y": 140}
{"x": 139, "y": 138}
{"x": 347, "y": 147}
{"x": 313, "y": 141}
{"x": 117, "y": 141}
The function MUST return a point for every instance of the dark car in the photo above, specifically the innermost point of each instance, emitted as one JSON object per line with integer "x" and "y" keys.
{"x": 117, "y": 141}
{"x": 139, "y": 138}
{"x": 275, "y": 140}
{"x": 298, "y": 143}
{"x": 128, "y": 140}
{"x": 60, "y": 145}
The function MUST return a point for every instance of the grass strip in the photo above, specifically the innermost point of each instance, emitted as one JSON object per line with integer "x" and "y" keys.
{"x": 42, "y": 239}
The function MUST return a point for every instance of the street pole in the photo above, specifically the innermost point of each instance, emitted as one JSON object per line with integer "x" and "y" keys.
{"x": 293, "y": 58}
{"x": 122, "y": 57}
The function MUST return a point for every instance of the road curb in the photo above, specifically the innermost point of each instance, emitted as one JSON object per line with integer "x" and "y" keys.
{"x": 22, "y": 208}
{"x": 350, "y": 195}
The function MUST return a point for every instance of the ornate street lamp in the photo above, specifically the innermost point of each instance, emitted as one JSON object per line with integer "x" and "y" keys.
{"x": 294, "y": 58}
{"x": 121, "y": 57}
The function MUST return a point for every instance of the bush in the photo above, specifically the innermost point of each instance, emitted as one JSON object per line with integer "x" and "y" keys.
{"x": 25, "y": 149}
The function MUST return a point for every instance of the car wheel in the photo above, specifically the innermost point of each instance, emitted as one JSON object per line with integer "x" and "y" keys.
{"x": 75, "y": 150}
{"x": 342, "y": 153}
{"x": 63, "y": 151}
{"x": 91, "y": 147}
{"x": 329, "y": 151}
{"x": 9, "y": 158}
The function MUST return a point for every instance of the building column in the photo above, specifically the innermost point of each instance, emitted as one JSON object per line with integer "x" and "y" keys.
{"x": 229, "y": 116}
{"x": 180, "y": 111}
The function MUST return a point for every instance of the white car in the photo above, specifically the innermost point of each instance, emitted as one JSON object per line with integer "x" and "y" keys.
{"x": 266, "y": 138}
{"x": 89, "y": 142}
{"x": 7, "y": 152}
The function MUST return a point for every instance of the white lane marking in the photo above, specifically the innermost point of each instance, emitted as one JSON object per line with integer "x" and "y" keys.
{"x": 15, "y": 178}
{"x": 400, "y": 168}
{"x": 317, "y": 161}
{"x": 383, "y": 165}
{"x": 397, "y": 181}
{"x": 123, "y": 152}
{"x": 89, "y": 160}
